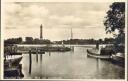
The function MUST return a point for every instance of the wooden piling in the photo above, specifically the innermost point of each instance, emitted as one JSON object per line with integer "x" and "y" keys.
{"x": 36, "y": 55}
{"x": 30, "y": 61}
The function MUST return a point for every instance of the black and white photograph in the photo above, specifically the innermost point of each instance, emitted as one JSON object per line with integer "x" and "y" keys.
{"x": 64, "y": 40}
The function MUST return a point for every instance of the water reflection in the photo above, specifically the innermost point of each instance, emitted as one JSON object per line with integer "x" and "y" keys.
{"x": 49, "y": 53}
{"x": 37, "y": 57}
{"x": 71, "y": 65}
{"x": 41, "y": 57}
{"x": 98, "y": 65}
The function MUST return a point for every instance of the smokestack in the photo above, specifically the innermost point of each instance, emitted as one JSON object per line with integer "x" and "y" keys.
{"x": 41, "y": 37}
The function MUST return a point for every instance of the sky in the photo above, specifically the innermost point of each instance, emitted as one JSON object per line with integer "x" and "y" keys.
{"x": 23, "y": 19}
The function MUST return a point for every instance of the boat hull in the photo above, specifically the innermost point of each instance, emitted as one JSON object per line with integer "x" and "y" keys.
{"x": 118, "y": 60}
{"x": 95, "y": 55}
{"x": 12, "y": 62}
{"x": 15, "y": 71}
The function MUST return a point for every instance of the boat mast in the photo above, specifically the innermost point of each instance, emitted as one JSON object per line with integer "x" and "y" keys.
{"x": 71, "y": 38}
{"x": 71, "y": 35}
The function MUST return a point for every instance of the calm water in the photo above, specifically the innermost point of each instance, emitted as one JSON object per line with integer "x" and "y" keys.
{"x": 69, "y": 65}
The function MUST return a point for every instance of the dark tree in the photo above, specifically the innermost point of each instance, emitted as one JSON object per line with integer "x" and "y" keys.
{"x": 29, "y": 40}
{"x": 19, "y": 40}
{"x": 115, "y": 18}
{"x": 13, "y": 41}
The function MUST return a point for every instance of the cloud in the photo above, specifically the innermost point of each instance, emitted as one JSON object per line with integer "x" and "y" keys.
{"x": 12, "y": 8}
{"x": 70, "y": 20}
{"x": 34, "y": 11}
{"x": 65, "y": 20}
{"x": 32, "y": 15}
{"x": 26, "y": 18}
{"x": 10, "y": 27}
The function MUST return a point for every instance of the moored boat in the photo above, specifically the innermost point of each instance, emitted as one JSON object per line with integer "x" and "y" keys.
{"x": 118, "y": 58}
{"x": 95, "y": 54}
{"x": 13, "y": 72}
{"x": 12, "y": 62}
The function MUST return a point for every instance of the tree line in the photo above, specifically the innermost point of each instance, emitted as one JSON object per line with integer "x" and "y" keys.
{"x": 30, "y": 40}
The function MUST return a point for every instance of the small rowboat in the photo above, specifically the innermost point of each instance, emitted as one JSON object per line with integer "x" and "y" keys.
{"x": 12, "y": 62}
{"x": 96, "y": 55}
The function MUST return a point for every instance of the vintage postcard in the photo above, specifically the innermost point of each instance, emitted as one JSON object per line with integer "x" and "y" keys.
{"x": 64, "y": 40}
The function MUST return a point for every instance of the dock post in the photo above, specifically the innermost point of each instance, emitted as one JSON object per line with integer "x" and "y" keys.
{"x": 37, "y": 55}
{"x": 30, "y": 62}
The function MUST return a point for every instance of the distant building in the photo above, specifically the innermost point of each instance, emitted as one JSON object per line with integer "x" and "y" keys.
{"x": 29, "y": 40}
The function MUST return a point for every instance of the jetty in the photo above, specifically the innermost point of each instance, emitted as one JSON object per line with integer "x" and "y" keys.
{"x": 43, "y": 49}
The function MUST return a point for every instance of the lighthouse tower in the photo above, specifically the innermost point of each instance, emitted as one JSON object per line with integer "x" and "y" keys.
{"x": 41, "y": 27}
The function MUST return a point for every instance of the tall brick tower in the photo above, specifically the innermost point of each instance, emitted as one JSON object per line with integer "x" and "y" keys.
{"x": 41, "y": 27}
